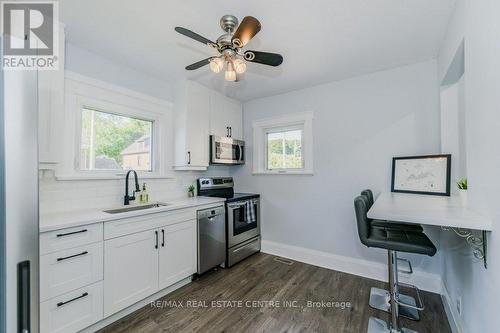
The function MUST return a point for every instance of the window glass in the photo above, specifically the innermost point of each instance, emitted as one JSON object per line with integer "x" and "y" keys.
{"x": 114, "y": 142}
{"x": 284, "y": 150}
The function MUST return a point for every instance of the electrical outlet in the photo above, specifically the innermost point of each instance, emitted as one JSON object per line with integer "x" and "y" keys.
{"x": 459, "y": 305}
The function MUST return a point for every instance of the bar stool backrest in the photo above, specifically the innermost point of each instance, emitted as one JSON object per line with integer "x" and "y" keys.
{"x": 361, "y": 209}
{"x": 369, "y": 195}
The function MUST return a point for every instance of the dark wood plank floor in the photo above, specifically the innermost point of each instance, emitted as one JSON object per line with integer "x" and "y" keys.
{"x": 261, "y": 278}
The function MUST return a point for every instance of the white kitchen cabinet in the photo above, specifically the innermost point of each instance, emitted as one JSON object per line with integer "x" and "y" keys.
{"x": 177, "y": 258}
{"x": 130, "y": 270}
{"x": 51, "y": 110}
{"x": 73, "y": 311}
{"x": 67, "y": 270}
{"x": 192, "y": 119}
{"x": 226, "y": 116}
{"x": 199, "y": 113}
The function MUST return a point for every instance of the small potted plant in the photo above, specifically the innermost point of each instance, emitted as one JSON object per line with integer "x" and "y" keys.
{"x": 191, "y": 191}
{"x": 462, "y": 190}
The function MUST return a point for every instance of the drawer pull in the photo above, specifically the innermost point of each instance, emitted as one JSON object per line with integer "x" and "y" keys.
{"x": 72, "y": 233}
{"x": 73, "y": 256}
{"x": 72, "y": 300}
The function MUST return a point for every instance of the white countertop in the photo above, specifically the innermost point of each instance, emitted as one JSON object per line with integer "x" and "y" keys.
{"x": 428, "y": 210}
{"x": 56, "y": 221}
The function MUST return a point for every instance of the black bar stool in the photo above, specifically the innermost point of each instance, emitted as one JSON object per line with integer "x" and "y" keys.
{"x": 393, "y": 241}
{"x": 380, "y": 298}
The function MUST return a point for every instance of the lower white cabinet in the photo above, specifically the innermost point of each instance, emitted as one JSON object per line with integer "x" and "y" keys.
{"x": 130, "y": 270}
{"x": 138, "y": 265}
{"x": 70, "y": 269}
{"x": 73, "y": 311}
{"x": 177, "y": 253}
{"x": 85, "y": 279}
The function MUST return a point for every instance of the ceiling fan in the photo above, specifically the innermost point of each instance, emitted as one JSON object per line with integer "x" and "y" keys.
{"x": 230, "y": 45}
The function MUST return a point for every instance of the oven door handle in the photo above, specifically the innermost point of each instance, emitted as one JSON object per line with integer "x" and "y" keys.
{"x": 236, "y": 205}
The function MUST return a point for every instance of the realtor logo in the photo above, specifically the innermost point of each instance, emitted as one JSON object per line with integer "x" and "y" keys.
{"x": 29, "y": 34}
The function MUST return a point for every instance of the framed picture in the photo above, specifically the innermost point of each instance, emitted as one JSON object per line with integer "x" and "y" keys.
{"x": 428, "y": 174}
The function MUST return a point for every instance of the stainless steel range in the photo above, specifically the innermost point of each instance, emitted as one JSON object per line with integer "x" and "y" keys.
{"x": 242, "y": 217}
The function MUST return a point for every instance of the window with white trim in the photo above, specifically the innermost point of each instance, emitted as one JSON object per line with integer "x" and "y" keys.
{"x": 110, "y": 129}
{"x": 283, "y": 145}
{"x": 115, "y": 142}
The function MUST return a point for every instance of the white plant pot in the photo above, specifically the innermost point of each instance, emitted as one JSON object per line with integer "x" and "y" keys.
{"x": 462, "y": 194}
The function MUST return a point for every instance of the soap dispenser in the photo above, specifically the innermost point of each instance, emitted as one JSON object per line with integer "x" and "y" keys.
{"x": 144, "y": 196}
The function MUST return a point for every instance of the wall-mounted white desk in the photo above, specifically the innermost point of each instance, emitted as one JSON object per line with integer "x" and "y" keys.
{"x": 445, "y": 212}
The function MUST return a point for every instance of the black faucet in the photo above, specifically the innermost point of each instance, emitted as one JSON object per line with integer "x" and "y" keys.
{"x": 128, "y": 198}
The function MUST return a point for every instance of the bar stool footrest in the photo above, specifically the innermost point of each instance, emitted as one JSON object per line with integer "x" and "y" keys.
{"x": 379, "y": 299}
{"x": 419, "y": 307}
{"x": 410, "y": 268}
{"x": 376, "y": 325}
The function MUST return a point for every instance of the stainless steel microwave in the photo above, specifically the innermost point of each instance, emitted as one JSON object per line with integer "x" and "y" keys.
{"x": 225, "y": 150}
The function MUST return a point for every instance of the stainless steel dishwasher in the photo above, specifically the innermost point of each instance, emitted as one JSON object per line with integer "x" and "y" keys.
{"x": 211, "y": 238}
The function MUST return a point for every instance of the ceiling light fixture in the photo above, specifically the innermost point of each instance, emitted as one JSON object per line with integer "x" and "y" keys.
{"x": 239, "y": 66}
{"x": 230, "y": 74}
{"x": 216, "y": 64}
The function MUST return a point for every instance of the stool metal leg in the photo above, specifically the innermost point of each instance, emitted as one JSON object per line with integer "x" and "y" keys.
{"x": 376, "y": 325}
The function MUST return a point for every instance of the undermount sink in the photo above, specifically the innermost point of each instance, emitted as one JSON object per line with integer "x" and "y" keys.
{"x": 134, "y": 208}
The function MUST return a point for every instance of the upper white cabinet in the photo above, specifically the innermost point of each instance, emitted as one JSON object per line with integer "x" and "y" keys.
{"x": 226, "y": 116}
{"x": 51, "y": 110}
{"x": 199, "y": 113}
{"x": 192, "y": 118}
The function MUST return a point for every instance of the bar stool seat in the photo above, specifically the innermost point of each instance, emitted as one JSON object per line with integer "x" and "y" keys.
{"x": 400, "y": 241}
{"x": 397, "y": 226}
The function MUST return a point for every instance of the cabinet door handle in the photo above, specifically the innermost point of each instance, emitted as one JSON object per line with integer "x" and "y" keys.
{"x": 230, "y": 132}
{"x": 73, "y": 299}
{"x": 227, "y": 131}
{"x": 162, "y": 238}
{"x": 156, "y": 236}
{"x": 71, "y": 233}
{"x": 189, "y": 157}
{"x": 73, "y": 256}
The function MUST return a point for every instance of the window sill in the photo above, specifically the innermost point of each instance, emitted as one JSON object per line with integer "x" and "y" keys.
{"x": 107, "y": 177}
{"x": 302, "y": 172}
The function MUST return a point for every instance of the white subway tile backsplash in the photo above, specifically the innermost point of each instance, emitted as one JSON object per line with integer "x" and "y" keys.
{"x": 62, "y": 196}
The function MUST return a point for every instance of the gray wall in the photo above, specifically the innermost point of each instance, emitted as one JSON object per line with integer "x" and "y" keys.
{"x": 359, "y": 125}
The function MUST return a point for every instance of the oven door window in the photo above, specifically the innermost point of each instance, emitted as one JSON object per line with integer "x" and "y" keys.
{"x": 226, "y": 151}
{"x": 240, "y": 224}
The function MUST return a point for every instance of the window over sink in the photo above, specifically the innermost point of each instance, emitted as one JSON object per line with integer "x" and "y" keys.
{"x": 115, "y": 142}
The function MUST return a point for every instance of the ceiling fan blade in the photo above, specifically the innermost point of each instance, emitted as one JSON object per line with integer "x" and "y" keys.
{"x": 248, "y": 28}
{"x": 194, "y": 35}
{"x": 199, "y": 64}
{"x": 265, "y": 58}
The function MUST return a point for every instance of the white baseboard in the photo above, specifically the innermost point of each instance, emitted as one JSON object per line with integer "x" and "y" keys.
{"x": 108, "y": 320}
{"x": 425, "y": 281}
{"x": 453, "y": 317}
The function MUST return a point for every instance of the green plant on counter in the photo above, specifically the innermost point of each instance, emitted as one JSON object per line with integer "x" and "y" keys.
{"x": 462, "y": 184}
{"x": 191, "y": 188}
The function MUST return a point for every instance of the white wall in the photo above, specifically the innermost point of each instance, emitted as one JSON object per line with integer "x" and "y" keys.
{"x": 359, "y": 125}
{"x": 95, "y": 66}
{"x": 479, "y": 287}
{"x": 453, "y": 129}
